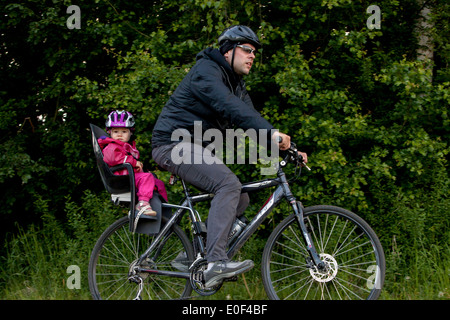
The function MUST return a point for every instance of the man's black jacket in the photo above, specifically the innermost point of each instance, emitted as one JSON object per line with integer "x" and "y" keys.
{"x": 211, "y": 93}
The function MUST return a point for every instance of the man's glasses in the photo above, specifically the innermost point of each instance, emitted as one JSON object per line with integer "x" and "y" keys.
{"x": 247, "y": 49}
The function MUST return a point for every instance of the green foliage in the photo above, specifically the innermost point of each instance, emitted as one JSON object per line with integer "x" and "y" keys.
{"x": 38, "y": 256}
{"x": 372, "y": 117}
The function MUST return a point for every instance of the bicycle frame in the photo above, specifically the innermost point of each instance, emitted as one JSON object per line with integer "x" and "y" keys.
{"x": 282, "y": 191}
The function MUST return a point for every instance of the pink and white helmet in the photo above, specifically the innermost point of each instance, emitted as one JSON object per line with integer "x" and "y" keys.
{"x": 122, "y": 119}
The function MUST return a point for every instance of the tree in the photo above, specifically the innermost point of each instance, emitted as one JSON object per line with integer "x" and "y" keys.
{"x": 356, "y": 99}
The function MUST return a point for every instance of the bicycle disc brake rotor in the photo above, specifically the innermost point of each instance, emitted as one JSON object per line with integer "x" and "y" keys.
{"x": 328, "y": 273}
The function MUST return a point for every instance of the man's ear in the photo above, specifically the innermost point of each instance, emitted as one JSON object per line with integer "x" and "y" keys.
{"x": 227, "y": 55}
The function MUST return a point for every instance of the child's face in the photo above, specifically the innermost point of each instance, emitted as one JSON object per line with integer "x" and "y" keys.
{"x": 121, "y": 134}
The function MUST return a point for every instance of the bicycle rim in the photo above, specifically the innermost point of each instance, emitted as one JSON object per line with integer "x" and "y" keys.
{"x": 117, "y": 250}
{"x": 354, "y": 258}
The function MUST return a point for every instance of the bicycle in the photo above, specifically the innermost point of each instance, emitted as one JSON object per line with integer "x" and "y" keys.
{"x": 318, "y": 252}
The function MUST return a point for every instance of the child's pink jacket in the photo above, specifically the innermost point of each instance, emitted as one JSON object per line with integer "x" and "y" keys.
{"x": 116, "y": 152}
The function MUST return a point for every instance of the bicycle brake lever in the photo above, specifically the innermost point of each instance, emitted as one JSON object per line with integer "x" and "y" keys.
{"x": 304, "y": 164}
{"x": 294, "y": 148}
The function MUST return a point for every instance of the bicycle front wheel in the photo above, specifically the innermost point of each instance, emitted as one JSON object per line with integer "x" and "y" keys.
{"x": 116, "y": 253}
{"x": 350, "y": 249}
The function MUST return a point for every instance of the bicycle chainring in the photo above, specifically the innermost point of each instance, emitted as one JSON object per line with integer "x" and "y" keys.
{"x": 197, "y": 280}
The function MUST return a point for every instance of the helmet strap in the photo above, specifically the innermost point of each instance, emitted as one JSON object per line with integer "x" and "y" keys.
{"x": 232, "y": 57}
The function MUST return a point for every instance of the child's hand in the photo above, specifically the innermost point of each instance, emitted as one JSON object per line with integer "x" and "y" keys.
{"x": 139, "y": 166}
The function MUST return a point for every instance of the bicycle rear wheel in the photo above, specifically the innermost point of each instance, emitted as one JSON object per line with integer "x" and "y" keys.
{"x": 350, "y": 249}
{"x": 117, "y": 251}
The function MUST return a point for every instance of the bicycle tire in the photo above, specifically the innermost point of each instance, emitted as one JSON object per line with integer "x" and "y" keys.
{"x": 345, "y": 242}
{"x": 115, "y": 252}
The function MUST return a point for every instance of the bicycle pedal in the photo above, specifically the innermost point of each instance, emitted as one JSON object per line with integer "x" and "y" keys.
{"x": 232, "y": 279}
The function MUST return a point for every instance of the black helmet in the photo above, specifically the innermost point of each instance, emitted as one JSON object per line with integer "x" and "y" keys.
{"x": 241, "y": 34}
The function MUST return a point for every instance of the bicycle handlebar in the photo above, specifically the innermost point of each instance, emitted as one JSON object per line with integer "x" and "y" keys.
{"x": 293, "y": 154}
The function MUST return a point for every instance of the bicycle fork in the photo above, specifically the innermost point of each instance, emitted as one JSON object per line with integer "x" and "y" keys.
{"x": 298, "y": 210}
{"x": 309, "y": 244}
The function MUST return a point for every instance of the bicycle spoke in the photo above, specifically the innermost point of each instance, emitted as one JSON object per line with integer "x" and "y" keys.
{"x": 308, "y": 281}
{"x": 125, "y": 243}
{"x": 355, "y": 275}
{"x": 297, "y": 242}
{"x": 115, "y": 291}
{"x": 115, "y": 269}
{"x": 343, "y": 245}
{"x": 284, "y": 256}
{"x": 331, "y": 232}
{"x": 350, "y": 284}
{"x": 289, "y": 268}
{"x": 116, "y": 254}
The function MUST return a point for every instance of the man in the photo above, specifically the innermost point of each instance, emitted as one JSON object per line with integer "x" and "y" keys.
{"x": 214, "y": 93}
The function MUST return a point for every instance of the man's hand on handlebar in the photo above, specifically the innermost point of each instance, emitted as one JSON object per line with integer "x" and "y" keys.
{"x": 284, "y": 142}
{"x": 304, "y": 156}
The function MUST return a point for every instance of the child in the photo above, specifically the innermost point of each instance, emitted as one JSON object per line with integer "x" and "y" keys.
{"x": 119, "y": 149}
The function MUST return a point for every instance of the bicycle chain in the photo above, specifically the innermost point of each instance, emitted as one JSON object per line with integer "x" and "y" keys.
{"x": 196, "y": 281}
{"x": 202, "y": 295}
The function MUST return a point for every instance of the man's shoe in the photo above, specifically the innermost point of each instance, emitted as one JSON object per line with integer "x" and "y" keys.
{"x": 222, "y": 270}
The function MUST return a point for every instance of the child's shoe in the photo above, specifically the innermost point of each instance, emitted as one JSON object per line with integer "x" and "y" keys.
{"x": 144, "y": 208}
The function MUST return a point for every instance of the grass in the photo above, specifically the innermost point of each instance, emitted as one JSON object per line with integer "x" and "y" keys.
{"x": 424, "y": 277}
{"x": 36, "y": 262}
